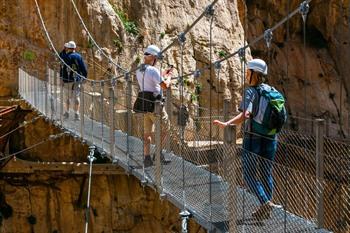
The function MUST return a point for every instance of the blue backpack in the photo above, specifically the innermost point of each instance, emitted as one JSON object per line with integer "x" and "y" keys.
{"x": 271, "y": 114}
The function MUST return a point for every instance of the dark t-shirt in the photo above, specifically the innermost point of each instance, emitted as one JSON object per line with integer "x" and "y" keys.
{"x": 63, "y": 68}
{"x": 76, "y": 63}
{"x": 249, "y": 103}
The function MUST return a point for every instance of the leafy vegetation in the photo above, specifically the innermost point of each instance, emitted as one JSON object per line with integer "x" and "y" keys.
{"x": 118, "y": 44}
{"x": 222, "y": 54}
{"x": 138, "y": 60}
{"x": 29, "y": 55}
{"x": 130, "y": 26}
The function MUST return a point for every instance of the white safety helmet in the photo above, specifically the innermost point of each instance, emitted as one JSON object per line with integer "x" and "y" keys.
{"x": 257, "y": 65}
{"x": 153, "y": 49}
{"x": 71, "y": 45}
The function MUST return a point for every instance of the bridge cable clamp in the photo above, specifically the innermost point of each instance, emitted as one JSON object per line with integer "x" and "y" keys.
{"x": 241, "y": 54}
{"x": 197, "y": 73}
{"x": 91, "y": 154}
{"x": 268, "y": 37}
{"x": 209, "y": 10}
{"x": 217, "y": 65}
{"x": 182, "y": 38}
{"x": 185, "y": 215}
{"x": 304, "y": 10}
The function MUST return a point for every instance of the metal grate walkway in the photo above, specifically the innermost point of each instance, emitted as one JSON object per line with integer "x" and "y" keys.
{"x": 206, "y": 195}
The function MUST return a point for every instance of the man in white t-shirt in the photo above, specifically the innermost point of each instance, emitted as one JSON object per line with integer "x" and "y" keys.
{"x": 151, "y": 84}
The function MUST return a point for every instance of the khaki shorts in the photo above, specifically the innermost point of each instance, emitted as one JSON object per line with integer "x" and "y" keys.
{"x": 149, "y": 120}
{"x": 71, "y": 91}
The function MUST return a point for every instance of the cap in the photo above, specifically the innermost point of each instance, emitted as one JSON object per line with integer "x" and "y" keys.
{"x": 153, "y": 49}
{"x": 258, "y": 65}
{"x": 71, "y": 45}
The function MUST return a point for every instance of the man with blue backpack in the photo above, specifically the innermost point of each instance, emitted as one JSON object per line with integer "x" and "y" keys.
{"x": 263, "y": 112}
{"x": 71, "y": 77}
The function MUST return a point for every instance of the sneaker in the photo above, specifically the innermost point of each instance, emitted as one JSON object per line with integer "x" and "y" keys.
{"x": 66, "y": 115}
{"x": 76, "y": 116}
{"x": 263, "y": 212}
{"x": 163, "y": 160}
{"x": 147, "y": 162}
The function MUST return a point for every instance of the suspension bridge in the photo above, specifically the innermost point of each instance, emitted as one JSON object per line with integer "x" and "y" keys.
{"x": 204, "y": 179}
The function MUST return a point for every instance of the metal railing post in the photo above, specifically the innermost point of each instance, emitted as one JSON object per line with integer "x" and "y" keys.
{"x": 169, "y": 112}
{"x": 230, "y": 140}
{"x": 35, "y": 91}
{"x": 129, "y": 113}
{"x": 61, "y": 98}
{"x": 129, "y": 103}
{"x": 82, "y": 109}
{"x": 46, "y": 95}
{"x": 111, "y": 127}
{"x": 320, "y": 124}
{"x": 158, "y": 169}
{"x": 102, "y": 114}
{"x": 229, "y": 131}
{"x": 55, "y": 96}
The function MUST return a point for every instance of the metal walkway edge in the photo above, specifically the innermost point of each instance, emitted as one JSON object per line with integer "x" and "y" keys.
{"x": 198, "y": 184}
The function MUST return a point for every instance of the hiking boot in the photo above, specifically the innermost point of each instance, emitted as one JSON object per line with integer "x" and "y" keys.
{"x": 76, "y": 116}
{"x": 147, "y": 162}
{"x": 163, "y": 160}
{"x": 65, "y": 115}
{"x": 263, "y": 212}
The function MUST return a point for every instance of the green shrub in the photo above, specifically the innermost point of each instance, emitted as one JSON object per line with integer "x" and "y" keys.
{"x": 29, "y": 55}
{"x": 130, "y": 26}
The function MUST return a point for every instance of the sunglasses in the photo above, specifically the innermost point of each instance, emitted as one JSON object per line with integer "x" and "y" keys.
{"x": 147, "y": 54}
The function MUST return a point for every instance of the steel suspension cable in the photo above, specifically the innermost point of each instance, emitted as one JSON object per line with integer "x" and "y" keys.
{"x": 210, "y": 13}
{"x": 93, "y": 40}
{"x": 304, "y": 8}
{"x": 55, "y": 52}
{"x": 183, "y": 34}
{"x": 246, "y": 46}
{"x": 20, "y": 126}
{"x": 51, "y": 137}
{"x": 242, "y": 54}
{"x": 286, "y": 171}
{"x": 182, "y": 140}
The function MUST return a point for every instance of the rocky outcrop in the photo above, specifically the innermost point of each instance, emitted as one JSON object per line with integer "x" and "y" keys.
{"x": 314, "y": 80}
{"x": 56, "y": 203}
{"x": 51, "y": 202}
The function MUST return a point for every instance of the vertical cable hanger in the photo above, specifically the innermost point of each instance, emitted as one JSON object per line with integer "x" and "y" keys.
{"x": 304, "y": 9}
{"x": 242, "y": 56}
{"x": 210, "y": 13}
{"x": 185, "y": 214}
{"x": 286, "y": 172}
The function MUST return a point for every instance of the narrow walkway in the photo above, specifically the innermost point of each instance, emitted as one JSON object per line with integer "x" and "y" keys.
{"x": 204, "y": 194}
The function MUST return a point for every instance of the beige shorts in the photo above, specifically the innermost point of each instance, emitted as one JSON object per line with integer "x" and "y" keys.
{"x": 71, "y": 91}
{"x": 149, "y": 120}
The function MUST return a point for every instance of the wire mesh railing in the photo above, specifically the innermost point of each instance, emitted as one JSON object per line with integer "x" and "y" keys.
{"x": 207, "y": 175}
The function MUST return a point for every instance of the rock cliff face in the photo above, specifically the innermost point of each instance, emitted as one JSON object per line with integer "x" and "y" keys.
{"x": 318, "y": 88}
{"x": 314, "y": 79}
{"x": 48, "y": 202}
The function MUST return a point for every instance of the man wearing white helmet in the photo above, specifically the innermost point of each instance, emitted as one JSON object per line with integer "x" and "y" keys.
{"x": 256, "y": 146}
{"x": 71, "y": 80}
{"x": 151, "y": 84}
